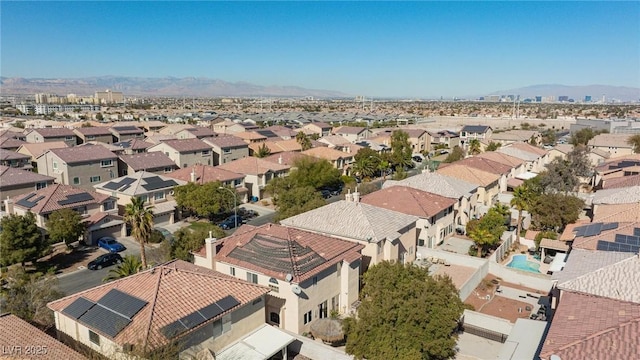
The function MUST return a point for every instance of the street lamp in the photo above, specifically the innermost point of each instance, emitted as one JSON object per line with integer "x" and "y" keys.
{"x": 235, "y": 205}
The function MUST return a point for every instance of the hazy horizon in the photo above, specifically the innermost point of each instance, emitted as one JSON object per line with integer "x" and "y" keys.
{"x": 376, "y": 49}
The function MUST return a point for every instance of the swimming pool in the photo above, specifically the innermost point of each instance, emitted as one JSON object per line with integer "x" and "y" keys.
{"x": 520, "y": 262}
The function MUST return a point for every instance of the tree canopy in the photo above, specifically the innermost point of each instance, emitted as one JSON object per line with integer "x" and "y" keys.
{"x": 563, "y": 174}
{"x": 65, "y": 225}
{"x": 492, "y": 223}
{"x": 405, "y": 314}
{"x": 366, "y": 162}
{"x": 554, "y": 211}
{"x": 186, "y": 240}
{"x": 130, "y": 265}
{"x": 303, "y": 140}
{"x": 474, "y": 147}
{"x": 456, "y": 154}
{"x": 635, "y": 142}
{"x": 204, "y": 200}
{"x": 493, "y": 146}
{"x": 20, "y": 240}
{"x": 263, "y": 151}
{"x": 401, "y": 149}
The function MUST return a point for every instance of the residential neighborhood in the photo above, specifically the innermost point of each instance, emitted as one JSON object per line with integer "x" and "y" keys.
{"x": 235, "y": 239}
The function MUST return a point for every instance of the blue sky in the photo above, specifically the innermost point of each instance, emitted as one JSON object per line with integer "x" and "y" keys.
{"x": 413, "y": 49}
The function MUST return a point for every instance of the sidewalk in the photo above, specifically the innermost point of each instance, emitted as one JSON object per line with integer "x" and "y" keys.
{"x": 261, "y": 210}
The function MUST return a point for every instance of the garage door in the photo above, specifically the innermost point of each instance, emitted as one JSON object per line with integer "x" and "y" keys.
{"x": 163, "y": 219}
{"x": 113, "y": 231}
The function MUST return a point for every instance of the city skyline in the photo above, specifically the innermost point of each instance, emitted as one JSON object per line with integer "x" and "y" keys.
{"x": 375, "y": 49}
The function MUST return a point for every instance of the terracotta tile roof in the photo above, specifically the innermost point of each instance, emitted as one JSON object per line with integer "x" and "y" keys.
{"x": 15, "y": 176}
{"x": 276, "y": 251}
{"x": 569, "y": 231}
{"x": 592, "y": 327}
{"x": 204, "y": 174}
{"x": 348, "y": 130}
{"x": 21, "y": 336}
{"x": 514, "y": 151}
{"x": 81, "y": 154}
{"x": 625, "y": 181}
{"x": 501, "y": 158}
{"x": 617, "y": 212}
{"x": 353, "y": 220}
{"x": 277, "y": 146}
{"x": 614, "y": 140}
{"x": 435, "y": 183}
{"x": 485, "y": 164}
{"x": 225, "y": 141}
{"x": 249, "y": 135}
{"x": 200, "y": 132}
{"x": 12, "y": 155}
{"x": 37, "y": 149}
{"x": 134, "y": 144}
{"x": 253, "y": 166}
{"x": 617, "y": 163}
{"x": 321, "y": 125}
{"x": 10, "y": 143}
{"x": 414, "y": 133}
{"x": 163, "y": 287}
{"x": 563, "y": 148}
{"x": 151, "y": 160}
{"x": 185, "y": 145}
{"x": 137, "y": 184}
{"x": 51, "y": 196}
{"x": 54, "y": 132}
{"x": 409, "y": 201}
{"x": 623, "y": 195}
{"x": 591, "y": 242}
{"x": 468, "y": 174}
{"x": 94, "y": 131}
{"x": 328, "y": 153}
{"x": 156, "y": 139}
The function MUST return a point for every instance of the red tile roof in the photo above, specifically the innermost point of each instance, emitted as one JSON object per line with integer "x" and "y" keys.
{"x": 172, "y": 291}
{"x": 15, "y": 176}
{"x": 83, "y": 154}
{"x": 276, "y": 251}
{"x": 286, "y": 157}
{"x": 408, "y": 200}
{"x": 18, "y": 337}
{"x": 592, "y": 327}
{"x": 625, "y": 181}
{"x": 226, "y": 141}
{"x": 204, "y": 174}
{"x": 184, "y": 145}
{"x": 52, "y": 194}
{"x": 12, "y": 155}
{"x": 487, "y": 165}
{"x": 591, "y": 242}
{"x": 253, "y": 166}
{"x": 151, "y": 160}
{"x": 93, "y": 131}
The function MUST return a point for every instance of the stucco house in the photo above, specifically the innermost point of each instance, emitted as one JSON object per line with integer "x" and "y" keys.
{"x": 202, "y": 174}
{"x": 320, "y": 128}
{"x": 15, "y": 181}
{"x": 186, "y": 152}
{"x": 309, "y": 274}
{"x": 488, "y": 183}
{"x": 52, "y": 134}
{"x": 81, "y": 166}
{"x": 258, "y": 172}
{"x": 94, "y": 133}
{"x": 352, "y": 133}
{"x": 227, "y": 148}
{"x": 153, "y": 162}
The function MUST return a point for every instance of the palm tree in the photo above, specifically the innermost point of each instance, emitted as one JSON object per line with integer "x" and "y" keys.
{"x": 129, "y": 266}
{"x": 303, "y": 140}
{"x": 383, "y": 166}
{"x": 263, "y": 151}
{"x": 140, "y": 218}
{"x": 364, "y": 167}
{"x": 474, "y": 147}
{"x": 635, "y": 142}
{"x": 520, "y": 201}
{"x": 481, "y": 237}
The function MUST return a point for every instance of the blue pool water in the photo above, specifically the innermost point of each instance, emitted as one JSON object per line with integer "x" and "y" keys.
{"x": 520, "y": 262}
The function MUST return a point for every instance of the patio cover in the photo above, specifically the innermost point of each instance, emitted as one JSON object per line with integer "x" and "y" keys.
{"x": 261, "y": 344}
{"x": 554, "y": 244}
{"x": 558, "y": 262}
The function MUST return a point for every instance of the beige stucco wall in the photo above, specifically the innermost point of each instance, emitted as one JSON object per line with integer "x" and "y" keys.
{"x": 80, "y": 333}
{"x": 65, "y": 173}
{"x": 184, "y": 159}
{"x": 235, "y": 153}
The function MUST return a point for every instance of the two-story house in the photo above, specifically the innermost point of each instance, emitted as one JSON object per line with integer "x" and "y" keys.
{"x": 16, "y": 181}
{"x": 155, "y": 190}
{"x": 615, "y": 144}
{"x": 153, "y": 162}
{"x": 435, "y": 213}
{"x": 123, "y": 133}
{"x": 197, "y": 132}
{"x": 81, "y": 166}
{"x": 15, "y": 160}
{"x": 341, "y": 160}
{"x": 11, "y": 141}
{"x": 36, "y": 149}
{"x": 89, "y": 204}
{"x": 444, "y": 138}
{"x": 202, "y": 174}
{"x": 133, "y": 146}
{"x": 52, "y": 134}
{"x": 470, "y": 132}
{"x": 310, "y": 275}
{"x": 320, "y": 128}
{"x": 352, "y": 133}
{"x": 464, "y": 193}
{"x": 419, "y": 139}
{"x": 511, "y": 136}
{"x": 488, "y": 183}
{"x": 174, "y": 310}
{"x": 386, "y": 234}
{"x": 185, "y": 152}
{"x": 536, "y": 158}
{"x": 227, "y": 148}
{"x": 258, "y": 172}
{"x": 504, "y": 171}
{"x": 275, "y": 146}
{"x": 94, "y": 133}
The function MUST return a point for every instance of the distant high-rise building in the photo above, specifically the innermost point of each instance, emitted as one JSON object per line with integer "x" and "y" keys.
{"x": 563, "y": 98}
{"x": 538, "y": 99}
{"x": 109, "y": 97}
{"x": 587, "y": 98}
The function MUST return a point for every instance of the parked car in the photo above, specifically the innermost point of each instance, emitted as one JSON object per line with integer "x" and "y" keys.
{"x": 110, "y": 244}
{"x": 231, "y": 221}
{"x": 104, "y": 261}
{"x": 166, "y": 233}
{"x": 325, "y": 193}
{"x": 247, "y": 213}
{"x": 417, "y": 159}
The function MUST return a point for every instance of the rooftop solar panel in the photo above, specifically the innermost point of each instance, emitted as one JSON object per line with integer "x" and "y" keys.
{"x": 29, "y": 201}
{"x": 174, "y": 329}
{"x": 580, "y": 230}
{"x": 104, "y": 320}
{"x": 115, "y": 185}
{"x": 122, "y": 303}
{"x": 78, "y": 308}
{"x": 227, "y": 302}
{"x": 611, "y": 246}
{"x": 211, "y": 311}
{"x": 609, "y": 226}
{"x": 75, "y": 198}
{"x": 636, "y": 231}
{"x": 192, "y": 320}
{"x": 159, "y": 184}
{"x": 627, "y": 239}
{"x": 153, "y": 179}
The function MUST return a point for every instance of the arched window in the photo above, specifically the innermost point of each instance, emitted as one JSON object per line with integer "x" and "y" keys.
{"x": 273, "y": 281}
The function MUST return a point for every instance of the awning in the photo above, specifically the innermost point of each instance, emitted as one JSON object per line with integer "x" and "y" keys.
{"x": 558, "y": 262}
{"x": 164, "y": 207}
{"x": 514, "y": 183}
{"x": 554, "y": 244}
{"x": 261, "y": 344}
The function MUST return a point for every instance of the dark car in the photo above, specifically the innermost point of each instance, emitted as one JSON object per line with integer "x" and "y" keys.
{"x": 110, "y": 244}
{"x": 165, "y": 233}
{"x": 417, "y": 159}
{"x": 231, "y": 222}
{"x": 325, "y": 193}
{"x": 104, "y": 261}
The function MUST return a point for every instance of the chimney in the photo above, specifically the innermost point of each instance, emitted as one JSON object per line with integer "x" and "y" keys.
{"x": 356, "y": 195}
{"x": 280, "y": 159}
{"x": 210, "y": 248}
{"x": 193, "y": 174}
{"x": 8, "y": 206}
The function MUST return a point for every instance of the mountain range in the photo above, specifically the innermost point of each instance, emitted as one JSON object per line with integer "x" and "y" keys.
{"x": 205, "y": 87}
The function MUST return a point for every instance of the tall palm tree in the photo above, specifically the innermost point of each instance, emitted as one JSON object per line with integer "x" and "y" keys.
{"x": 474, "y": 147}
{"x": 364, "y": 167}
{"x": 482, "y": 237}
{"x": 263, "y": 151}
{"x": 130, "y": 265}
{"x": 520, "y": 201}
{"x": 140, "y": 218}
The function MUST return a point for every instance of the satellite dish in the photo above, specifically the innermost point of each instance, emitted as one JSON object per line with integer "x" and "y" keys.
{"x": 296, "y": 290}
{"x": 289, "y": 277}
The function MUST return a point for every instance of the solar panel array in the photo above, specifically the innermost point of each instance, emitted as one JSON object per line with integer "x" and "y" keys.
{"x": 609, "y": 226}
{"x": 110, "y": 315}
{"x": 594, "y": 229}
{"x": 636, "y": 231}
{"x": 627, "y": 239}
{"x": 115, "y": 185}
{"x": 76, "y": 198}
{"x": 27, "y": 202}
{"x": 155, "y": 182}
{"x": 199, "y": 316}
{"x": 613, "y": 246}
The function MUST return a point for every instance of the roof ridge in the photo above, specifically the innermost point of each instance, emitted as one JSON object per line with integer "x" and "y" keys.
{"x": 597, "y": 334}
{"x": 53, "y": 191}
{"x": 292, "y": 254}
{"x": 153, "y": 305}
{"x": 601, "y": 297}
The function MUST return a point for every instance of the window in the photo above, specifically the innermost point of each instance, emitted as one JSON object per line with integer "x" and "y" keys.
{"x": 91, "y": 137}
{"x": 108, "y": 205}
{"x": 167, "y": 169}
{"x": 94, "y": 179}
{"x": 144, "y": 198}
{"x": 76, "y": 180}
{"x": 41, "y": 185}
{"x": 159, "y": 195}
{"x": 308, "y": 317}
{"x": 206, "y": 152}
{"x": 106, "y": 163}
{"x": 322, "y": 310}
{"x": 274, "y": 317}
{"x": 226, "y": 151}
{"x": 232, "y": 271}
{"x": 315, "y": 280}
{"x": 55, "y": 165}
{"x": 94, "y": 338}
{"x": 335, "y": 303}
{"x": 68, "y": 138}
{"x": 252, "y": 278}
